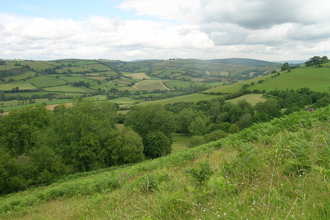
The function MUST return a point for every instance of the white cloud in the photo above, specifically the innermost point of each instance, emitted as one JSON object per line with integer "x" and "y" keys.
{"x": 261, "y": 29}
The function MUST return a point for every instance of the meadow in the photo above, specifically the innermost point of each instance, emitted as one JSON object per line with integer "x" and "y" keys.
{"x": 67, "y": 88}
{"x": 274, "y": 170}
{"x": 20, "y": 84}
{"x": 45, "y": 81}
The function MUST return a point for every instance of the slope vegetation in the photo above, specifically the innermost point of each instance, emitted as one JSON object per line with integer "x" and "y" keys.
{"x": 274, "y": 170}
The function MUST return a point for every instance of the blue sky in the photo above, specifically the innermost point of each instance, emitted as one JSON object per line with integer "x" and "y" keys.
{"x": 148, "y": 29}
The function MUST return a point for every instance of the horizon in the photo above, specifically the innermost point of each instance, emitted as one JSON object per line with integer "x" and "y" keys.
{"x": 128, "y": 30}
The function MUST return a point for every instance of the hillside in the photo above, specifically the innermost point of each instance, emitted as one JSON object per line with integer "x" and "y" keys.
{"x": 274, "y": 170}
{"x": 315, "y": 78}
{"x": 26, "y": 82}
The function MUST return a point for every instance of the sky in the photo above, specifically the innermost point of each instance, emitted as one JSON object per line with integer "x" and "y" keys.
{"x": 272, "y": 30}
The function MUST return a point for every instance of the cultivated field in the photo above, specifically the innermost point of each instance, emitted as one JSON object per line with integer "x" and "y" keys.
{"x": 138, "y": 76}
{"x": 150, "y": 85}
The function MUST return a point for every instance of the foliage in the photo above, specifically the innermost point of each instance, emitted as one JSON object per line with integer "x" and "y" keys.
{"x": 20, "y": 127}
{"x": 157, "y": 144}
{"x": 151, "y": 118}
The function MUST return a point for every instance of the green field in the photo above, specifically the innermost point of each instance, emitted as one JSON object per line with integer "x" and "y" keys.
{"x": 22, "y": 76}
{"x": 72, "y": 79}
{"x": 66, "y": 88}
{"x": 40, "y": 65}
{"x": 250, "y": 98}
{"x": 19, "y": 84}
{"x": 317, "y": 79}
{"x": 45, "y": 81}
{"x": 236, "y": 87}
{"x": 185, "y": 98}
{"x": 12, "y": 105}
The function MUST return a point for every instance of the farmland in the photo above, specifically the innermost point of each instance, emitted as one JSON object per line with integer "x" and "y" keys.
{"x": 150, "y": 80}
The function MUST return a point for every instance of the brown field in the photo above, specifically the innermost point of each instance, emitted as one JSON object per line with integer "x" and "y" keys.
{"x": 138, "y": 76}
{"x": 208, "y": 73}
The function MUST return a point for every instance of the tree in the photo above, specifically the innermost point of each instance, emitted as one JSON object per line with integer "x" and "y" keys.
{"x": 19, "y": 133}
{"x": 151, "y": 118}
{"x": 122, "y": 147}
{"x": 157, "y": 144}
{"x": 285, "y": 66}
{"x": 11, "y": 178}
{"x": 269, "y": 107}
{"x": 78, "y": 134}
{"x": 199, "y": 125}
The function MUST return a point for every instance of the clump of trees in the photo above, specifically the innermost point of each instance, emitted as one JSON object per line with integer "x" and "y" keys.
{"x": 317, "y": 60}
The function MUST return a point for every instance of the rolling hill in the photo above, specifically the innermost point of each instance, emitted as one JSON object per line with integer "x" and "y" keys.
{"x": 275, "y": 170}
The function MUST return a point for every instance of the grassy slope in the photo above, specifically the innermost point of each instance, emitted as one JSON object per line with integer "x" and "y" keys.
{"x": 249, "y": 178}
{"x": 317, "y": 79}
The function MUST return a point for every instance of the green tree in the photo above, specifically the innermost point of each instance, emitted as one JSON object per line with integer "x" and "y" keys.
{"x": 285, "y": 66}
{"x": 122, "y": 147}
{"x": 44, "y": 165}
{"x": 233, "y": 129}
{"x": 20, "y": 128}
{"x": 11, "y": 178}
{"x": 157, "y": 144}
{"x": 151, "y": 118}
{"x": 199, "y": 125}
{"x": 78, "y": 134}
{"x": 269, "y": 107}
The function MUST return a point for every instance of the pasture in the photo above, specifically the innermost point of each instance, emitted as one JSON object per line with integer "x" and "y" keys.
{"x": 22, "y": 76}
{"x": 233, "y": 88}
{"x": 66, "y": 88}
{"x": 317, "y": 79}
{"x": 185, "y": 98}
{"x": 45, "y": 81}
{"x": 20, "y": 84}
{"x": 253, "y": 99}
{"x": 72, "y": 79}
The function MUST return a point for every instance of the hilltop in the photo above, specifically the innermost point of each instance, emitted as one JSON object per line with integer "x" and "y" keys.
{"x": 274, "y": 170}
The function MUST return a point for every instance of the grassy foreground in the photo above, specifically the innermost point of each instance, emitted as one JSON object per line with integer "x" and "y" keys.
{"x": 274, "y": 170}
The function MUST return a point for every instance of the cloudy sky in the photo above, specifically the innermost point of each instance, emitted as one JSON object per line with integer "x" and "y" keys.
{"x": 273, "y": 30}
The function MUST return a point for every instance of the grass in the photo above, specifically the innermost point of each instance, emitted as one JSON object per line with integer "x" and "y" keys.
{"x": 67, "y": 88}
{"x": 22, "y": 76}
{"x": 180, "y": 142}
{"x": 317, "y": 79}
{"x": 236, "y": 87}
{"x": 12, "y": 105}
{"x": 250, "y": 98}
{"x": 185, "y": 98}
{"x": 72, "y": 79}
{"x": 19, "y": 84}
{"x": 45, "y": 81}
{"x": 248, "y": 175}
